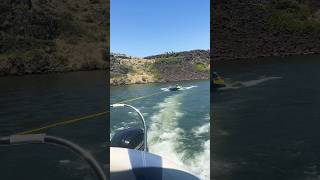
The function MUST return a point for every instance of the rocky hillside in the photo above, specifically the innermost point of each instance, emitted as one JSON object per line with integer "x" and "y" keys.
{"x": 40, "y": 36}
{"x": 185, "y": 55}
{"x": 187, "y": 65}
{"x": 257, "y": 28}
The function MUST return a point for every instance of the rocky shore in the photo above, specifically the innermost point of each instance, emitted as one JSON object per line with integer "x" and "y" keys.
{"x": 42, "y": 36}
{"x": 247, "y": 29}
{"x": 179, "y": 66}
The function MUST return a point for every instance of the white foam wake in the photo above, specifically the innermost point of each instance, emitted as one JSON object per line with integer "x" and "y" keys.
{"x": 198, "y": 131}
{"x": 165, "y": 89}
{"x": 188, "y": 87}
{"x": 201, "y": 162}
{"x": 250, "y": 83}
{"x": 163, "y": 132}
{"x": 165, "y": 138}
{"x": 200, "y": 165}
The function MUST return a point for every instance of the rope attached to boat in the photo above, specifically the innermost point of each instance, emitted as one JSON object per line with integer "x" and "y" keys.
{"x": 141, "y": 97}
{"x": 82, "y": 118}
{"x": 62, "y": 123}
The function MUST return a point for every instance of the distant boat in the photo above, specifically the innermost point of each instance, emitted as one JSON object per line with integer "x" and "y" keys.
{"x": 218, "y": 81}
{"x": 174, "y": 88}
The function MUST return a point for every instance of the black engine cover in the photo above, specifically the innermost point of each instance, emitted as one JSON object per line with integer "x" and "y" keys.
{"x": 131, "y": 138}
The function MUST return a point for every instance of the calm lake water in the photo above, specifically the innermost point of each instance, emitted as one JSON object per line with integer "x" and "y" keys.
{"x": 267, "y": 121}
{"x": 178, "y": 121}
{"x": 27, "y": 102}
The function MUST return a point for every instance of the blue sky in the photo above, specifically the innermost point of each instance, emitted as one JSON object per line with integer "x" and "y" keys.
{"x": 148, "y": 27}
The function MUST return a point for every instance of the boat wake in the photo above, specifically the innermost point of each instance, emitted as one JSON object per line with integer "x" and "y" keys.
{"x": 201, "y": 162}
{"x": 250, "y": 83}
{"x": 182, "y": 88}
{"x": 204, "y": 129}
{"x": 165, "y": 138}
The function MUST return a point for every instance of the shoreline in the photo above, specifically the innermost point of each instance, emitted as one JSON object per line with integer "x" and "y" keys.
{"x": 218, "y": 63}
{"x": 261, "y": 59}
{"x": 183, "y": 80}
{"x": 51, "y": 72}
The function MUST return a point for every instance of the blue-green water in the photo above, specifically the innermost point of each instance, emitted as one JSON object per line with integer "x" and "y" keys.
{"x": 178, "y": 122}
{"x": 27, "y": 102}
{"x": 267, "y": 120}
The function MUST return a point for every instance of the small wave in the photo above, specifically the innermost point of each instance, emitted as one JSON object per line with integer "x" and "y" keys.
{"x": 311, "y": 171}
{"x": 188, "y": 87}
{"x": 104, "y": 145}
{"x": 165, "y": 89}
{"x": 75, "y": 164}
{"x": 64, "y": 161}
{"x": 222, "y": 132}
{"x": 123, "y": 125}
{"x": 250, "y": 83}
{"x": 223, "y": 168}
{"x": 204, "y": 129}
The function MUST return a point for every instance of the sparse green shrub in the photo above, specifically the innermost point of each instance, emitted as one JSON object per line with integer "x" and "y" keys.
{"x": 292, "y": 15}
{"x": 168, "y": 60}
{"x": 154, "y": 71}
{"x": 131, "y": 70}
{"x": 201, "y": 67}
{"x": 69, "y": 26}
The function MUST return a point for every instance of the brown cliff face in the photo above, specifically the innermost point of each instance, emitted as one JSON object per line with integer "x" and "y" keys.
{"x": 244, "y": 29}
{"x": 185, "y": 55}
{"x": 185, "y": 65}
{"x": 40, "y": 36}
